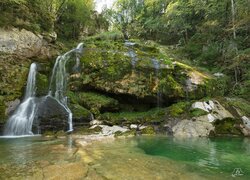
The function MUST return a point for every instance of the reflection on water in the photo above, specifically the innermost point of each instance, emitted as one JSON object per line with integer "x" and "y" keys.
{"x": 215, "y": 155}
{"x": 126, "y": 158}
{"x": 34, "y": 157}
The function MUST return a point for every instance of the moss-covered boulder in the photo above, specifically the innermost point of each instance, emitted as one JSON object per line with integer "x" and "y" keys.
{"x": 94, "y": 102}
{"x": 80, "y": 113}
{"x": 142, "y": 71}
{"x": 227, "y": 126}
{"x": 42, "y": 84}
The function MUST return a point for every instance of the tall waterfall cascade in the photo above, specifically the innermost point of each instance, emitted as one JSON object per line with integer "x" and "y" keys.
{"x": 20, "y": 123}
{"x": 58, "y": 81}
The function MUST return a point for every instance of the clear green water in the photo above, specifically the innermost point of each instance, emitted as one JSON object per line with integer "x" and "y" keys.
{"x": 129, "y": 158}
{"x": 211, "y": 156}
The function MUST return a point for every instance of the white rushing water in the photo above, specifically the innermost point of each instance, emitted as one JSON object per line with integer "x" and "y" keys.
{"x": 58, "y": 81}
{"x": 20, "y": 123}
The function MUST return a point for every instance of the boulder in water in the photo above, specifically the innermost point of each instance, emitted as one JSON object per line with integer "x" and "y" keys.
{"x": 52, "y": 115}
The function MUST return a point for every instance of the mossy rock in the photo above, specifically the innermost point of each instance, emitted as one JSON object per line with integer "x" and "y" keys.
{"x": 179, "y": 109}
{"x": 198, "y": 112}
{"x": 149, "y": 130}
{"x": 42, "y": 84}
{"x": 241, "y": 105}
{"x": 155, "y": 115}
{"x": 79, "y": 112}
{"x": 227, "y": 126}
{"x": 125, "y": 134}
{"x": 111, "y": 70}
{"x": 2, "y": 110}
{"x": 87, "y": 130}
{"x": 95, "y": 102}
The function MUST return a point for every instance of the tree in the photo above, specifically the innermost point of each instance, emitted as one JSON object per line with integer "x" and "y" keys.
{"x": 76, "y": 16}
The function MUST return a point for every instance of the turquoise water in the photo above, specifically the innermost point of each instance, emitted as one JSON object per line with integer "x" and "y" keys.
{"x": 126, "y": 158}
{"x": 210, "y": 156}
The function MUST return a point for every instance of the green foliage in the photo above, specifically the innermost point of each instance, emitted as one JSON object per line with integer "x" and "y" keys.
{"x": 126, "y": 134}
{"x": 2, "y": 109}
{"x": 241, "y": 104}
{"x": 149, "y": 130}
{"x": 227, "y": 126}
{"x": 198, "y": 112}
{"x": 95, "y": 102}
{"x": 79, "y": 112}
{"x": 28, "y": 14}
{"x": 75, "y": 18}
{"x": 153, "y": 115}
{"x": 42, "y": 84}
{"x": 179, "y": 109}
{"x": 112, "y": 35}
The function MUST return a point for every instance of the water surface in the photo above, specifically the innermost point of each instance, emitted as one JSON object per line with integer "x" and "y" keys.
{"x": 125, "y": 158}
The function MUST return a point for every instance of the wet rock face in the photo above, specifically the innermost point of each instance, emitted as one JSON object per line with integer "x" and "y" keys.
{"x": 51, "y": 116}
{"x": 22, "y": 43}
{"x": 146, "y": 74}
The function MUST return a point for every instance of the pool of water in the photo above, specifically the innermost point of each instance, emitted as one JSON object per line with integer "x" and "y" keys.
{"x": 23, "y": 157}
{"x": 202, "y": 155}
{"x": 125, "y": 158}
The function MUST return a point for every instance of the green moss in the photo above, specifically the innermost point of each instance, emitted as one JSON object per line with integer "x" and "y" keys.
{"x": 170, "y": 87}
{"x": 97, "y": 102}
{"x": 86, "y": 130}
{"x": 126, "y": 134}
{"x": 2, "y": 110}
{"x": 42, "y": 84}
{"x": 72, "y": 97}
{"x": 179, "y": 108}
{"x": 198, "y": 112}
{"x": 79, "y": 112}
{"x": 13, "y": 77}
{"x": 240, "y": 104}
{"x": 148, "y": 130}
{"x": 153, "y": 115}
{"x": 227, "y": 126}
{"x": 113, "y": 35}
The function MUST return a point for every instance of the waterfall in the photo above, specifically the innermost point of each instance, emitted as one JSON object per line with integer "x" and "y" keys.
{"x": 156, "y": 65}
{"x": 20, "y": 123}
{"x": 131, "y": 53}
{"x": 58, "y": 81}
